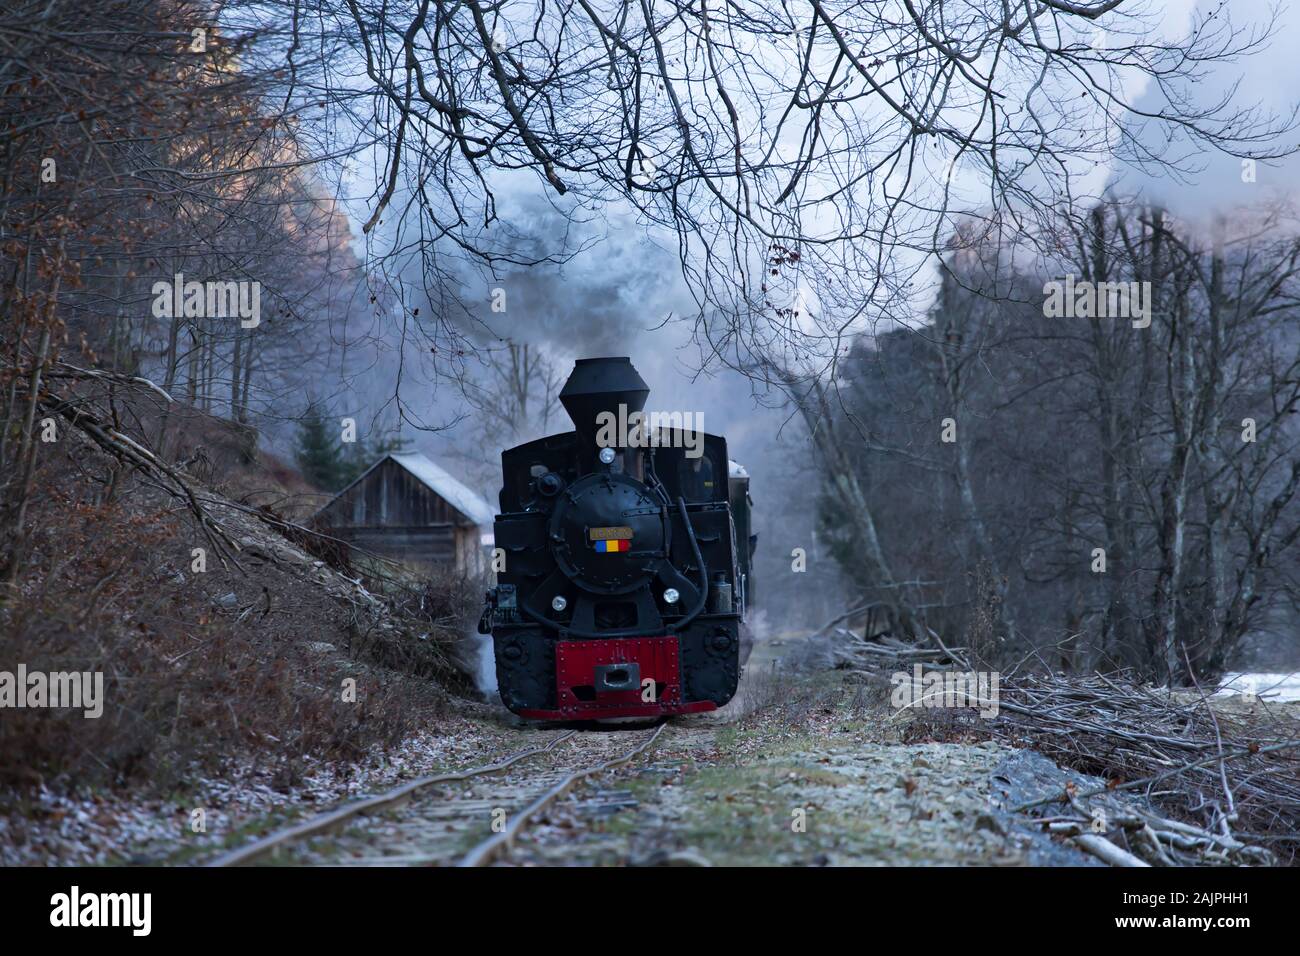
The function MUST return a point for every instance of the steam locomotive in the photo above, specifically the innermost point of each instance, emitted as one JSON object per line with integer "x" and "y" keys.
{"x": 623, "y": 589}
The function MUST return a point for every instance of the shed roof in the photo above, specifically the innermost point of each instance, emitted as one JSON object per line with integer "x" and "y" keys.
{"x": 440, "y": 482}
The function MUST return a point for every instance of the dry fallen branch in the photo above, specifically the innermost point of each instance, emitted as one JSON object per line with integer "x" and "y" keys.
{"x": 1103, "y": 849}
{"x": 130, "y": 452}
{"x": 66, "y": 370}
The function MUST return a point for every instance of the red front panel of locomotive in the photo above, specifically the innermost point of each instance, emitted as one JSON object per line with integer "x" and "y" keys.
{"x": 619, "y": 677}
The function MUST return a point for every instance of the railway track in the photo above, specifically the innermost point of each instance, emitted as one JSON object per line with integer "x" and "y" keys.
{"x": 466, "y": 818}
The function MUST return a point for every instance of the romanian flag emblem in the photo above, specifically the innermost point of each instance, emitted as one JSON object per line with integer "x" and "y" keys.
{"x": 611, "y": 540}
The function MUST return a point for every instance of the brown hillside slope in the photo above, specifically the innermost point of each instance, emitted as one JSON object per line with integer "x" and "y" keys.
{"x": 204, "y": 662}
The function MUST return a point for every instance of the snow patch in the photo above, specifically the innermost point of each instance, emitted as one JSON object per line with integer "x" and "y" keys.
{"x": 1279, "y": 688}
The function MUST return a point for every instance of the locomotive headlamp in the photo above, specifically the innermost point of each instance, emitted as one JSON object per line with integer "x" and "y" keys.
{"x": 607, "y": 456}
{"x": 671, "y": 596}
{"x": 558, "y": 603}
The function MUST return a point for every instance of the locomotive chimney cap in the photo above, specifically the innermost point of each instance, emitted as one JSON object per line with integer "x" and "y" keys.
{"x": 599, "y": 385}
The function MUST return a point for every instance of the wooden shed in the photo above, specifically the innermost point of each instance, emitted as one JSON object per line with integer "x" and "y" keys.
{"x": 406, "y": 508}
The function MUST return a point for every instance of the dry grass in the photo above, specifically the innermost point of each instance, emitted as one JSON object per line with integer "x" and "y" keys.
{"x": 199, "y": 668}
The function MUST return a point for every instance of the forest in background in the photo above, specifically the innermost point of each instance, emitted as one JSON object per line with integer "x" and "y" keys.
{"x": 1113, "y": 492}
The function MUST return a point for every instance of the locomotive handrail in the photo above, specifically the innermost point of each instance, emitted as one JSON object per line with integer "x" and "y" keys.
{"x": 704, "y": 572}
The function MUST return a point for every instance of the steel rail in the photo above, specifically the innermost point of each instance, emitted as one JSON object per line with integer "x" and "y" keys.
{"x": 485, "y": 852}
{"x": 326, "y": 821}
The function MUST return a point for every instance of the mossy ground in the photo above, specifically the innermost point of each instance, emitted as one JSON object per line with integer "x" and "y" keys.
{"x": 816, "y": 773}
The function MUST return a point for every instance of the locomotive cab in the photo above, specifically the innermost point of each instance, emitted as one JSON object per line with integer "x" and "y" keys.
{"x": 623, "y": 591}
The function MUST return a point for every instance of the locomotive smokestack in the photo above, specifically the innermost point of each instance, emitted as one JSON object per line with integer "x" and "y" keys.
{"x": 599, "y": 385}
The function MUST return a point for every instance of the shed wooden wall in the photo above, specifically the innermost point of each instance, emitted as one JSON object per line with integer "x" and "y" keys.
{"x": 388, "y": 497}
{"x": 392, "y": 513}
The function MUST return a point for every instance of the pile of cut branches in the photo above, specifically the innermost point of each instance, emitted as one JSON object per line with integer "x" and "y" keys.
{"x": 1186, "y": 778}
{"x": 838, "y": 648}
{"x": 1225, "y": 780}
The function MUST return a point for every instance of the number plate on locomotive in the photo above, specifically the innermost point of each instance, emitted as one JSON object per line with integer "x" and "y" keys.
{"x": 611, "y": 540}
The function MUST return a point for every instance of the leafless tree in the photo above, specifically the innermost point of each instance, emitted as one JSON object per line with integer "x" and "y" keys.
{"x": 797, "y": 152}
{"x": 1136, "y": 480}
{"x": 145, "y": 141}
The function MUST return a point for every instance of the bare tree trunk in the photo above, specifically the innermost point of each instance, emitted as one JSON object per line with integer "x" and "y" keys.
{"x": 169, "y": 382}
{"x": 27, "y": 450}
{"x": 959, "y": 336}
{"x": 1119, "y": 637}
{"x": 209, "y": 366}
{"x": 847, "y": 490}
{"x": 247, "y": 378}
{"x": 1216, "y": 497}
{"x": 236, "y": 367}
{"x": 192, "y": 368}
{"x": 20, "y": 334}
{"x": 1167, "y": 602}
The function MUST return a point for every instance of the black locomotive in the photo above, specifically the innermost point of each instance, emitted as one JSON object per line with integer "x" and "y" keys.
{"x": 622, "y": 591}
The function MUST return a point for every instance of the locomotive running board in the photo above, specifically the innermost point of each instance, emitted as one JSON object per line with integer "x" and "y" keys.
{"x": 612, "y": 678}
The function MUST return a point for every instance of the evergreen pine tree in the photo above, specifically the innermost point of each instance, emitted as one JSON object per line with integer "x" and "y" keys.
{"x": 318, "y": 454}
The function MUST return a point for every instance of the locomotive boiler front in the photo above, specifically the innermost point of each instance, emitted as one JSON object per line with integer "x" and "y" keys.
{"x": 603, "y": 558}
{"x": 599, "y": 554}
{"x": 620, "y": 594}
